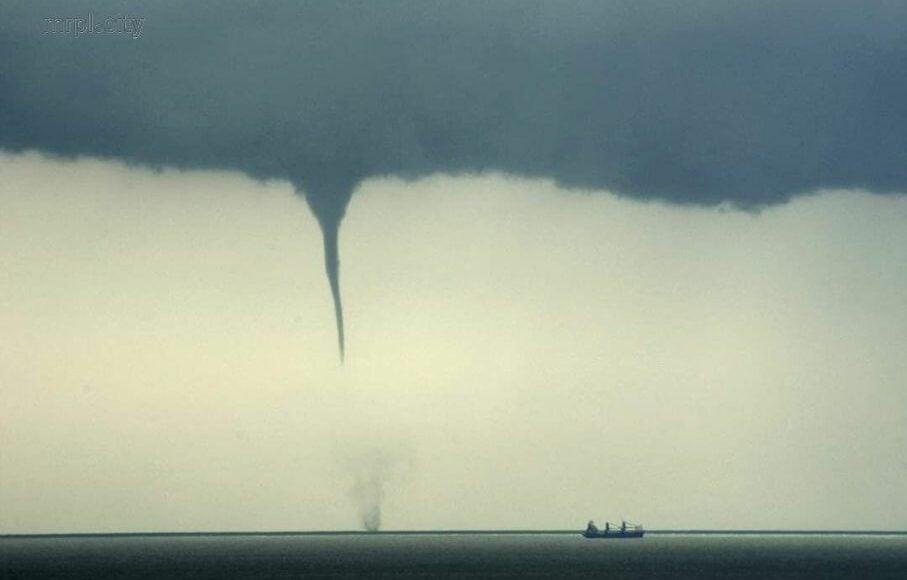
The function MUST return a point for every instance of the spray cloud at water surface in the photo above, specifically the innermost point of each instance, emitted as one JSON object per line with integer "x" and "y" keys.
{"x": 368, "y": 493}
{"x": 376, "y": 463}
{"x": 374, "y": 471}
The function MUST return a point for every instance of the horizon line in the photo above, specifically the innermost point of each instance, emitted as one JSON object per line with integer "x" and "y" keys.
{"x": 577, "y": 531}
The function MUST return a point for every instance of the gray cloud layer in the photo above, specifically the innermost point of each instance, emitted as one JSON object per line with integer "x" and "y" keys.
{"x": 700, "y": 102}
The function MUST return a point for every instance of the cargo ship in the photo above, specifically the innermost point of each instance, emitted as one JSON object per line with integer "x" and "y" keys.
{"x": 624, "y": 531}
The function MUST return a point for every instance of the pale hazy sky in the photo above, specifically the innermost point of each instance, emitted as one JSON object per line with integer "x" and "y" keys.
{"x": 625, "y": 259}
{"x": 519, "y": 356}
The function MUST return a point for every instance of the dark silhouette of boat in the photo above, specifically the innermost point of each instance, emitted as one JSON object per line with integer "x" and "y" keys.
{"x": 624, "y": 531}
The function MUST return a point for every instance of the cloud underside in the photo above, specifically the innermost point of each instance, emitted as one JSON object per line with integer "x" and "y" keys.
{"x": 705, "y": 103}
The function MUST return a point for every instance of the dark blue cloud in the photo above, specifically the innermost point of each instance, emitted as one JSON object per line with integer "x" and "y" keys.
{"x": 748, "y": 102}
{"x": 698, "y": 102}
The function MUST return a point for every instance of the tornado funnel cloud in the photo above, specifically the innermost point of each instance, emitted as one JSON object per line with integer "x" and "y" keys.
{"x": 332, "y": 269}
{"x": 328, "y": 198}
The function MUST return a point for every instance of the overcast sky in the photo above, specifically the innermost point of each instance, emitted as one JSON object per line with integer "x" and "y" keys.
{"x": 610, "y": 260}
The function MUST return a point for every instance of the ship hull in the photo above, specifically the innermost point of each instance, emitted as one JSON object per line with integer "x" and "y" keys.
{"x": 629, "y": 534}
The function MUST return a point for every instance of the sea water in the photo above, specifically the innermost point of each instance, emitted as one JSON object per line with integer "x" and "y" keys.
{"x": 466, "y": 555}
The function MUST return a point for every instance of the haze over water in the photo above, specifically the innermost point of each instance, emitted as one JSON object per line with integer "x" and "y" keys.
{"x": 678, "y": 367}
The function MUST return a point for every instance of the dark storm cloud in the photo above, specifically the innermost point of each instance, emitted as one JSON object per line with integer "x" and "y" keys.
{"x": 693, "y": 102}
{"x": 690, "y": 102}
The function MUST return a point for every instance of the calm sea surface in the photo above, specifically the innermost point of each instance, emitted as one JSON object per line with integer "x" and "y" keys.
{"x": 454, "y": 556}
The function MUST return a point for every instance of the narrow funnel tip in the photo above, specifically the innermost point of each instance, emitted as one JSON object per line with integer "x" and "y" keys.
{"x": 332, "y": 269}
